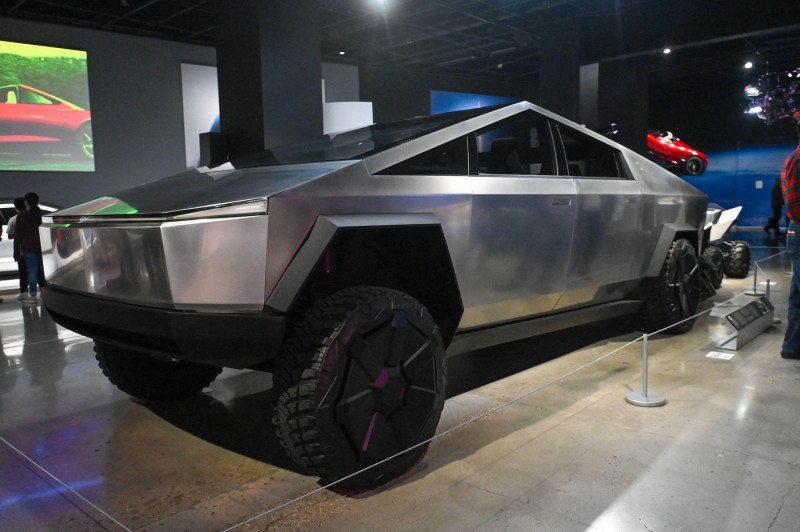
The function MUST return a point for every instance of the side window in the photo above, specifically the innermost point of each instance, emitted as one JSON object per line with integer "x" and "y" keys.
{"x": 519, "y": 145}
{"x": 31, "y": 97}
{"x": 447, "y": 159}
{"x": 589, "y": 157}
{"x": 8, "y": 94}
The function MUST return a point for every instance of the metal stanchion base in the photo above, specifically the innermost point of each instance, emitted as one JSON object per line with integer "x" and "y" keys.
{"x": 754, "y": 293}
{"x": 651, "y": 399}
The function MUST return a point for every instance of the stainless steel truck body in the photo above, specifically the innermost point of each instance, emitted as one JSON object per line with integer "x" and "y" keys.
{"x": 450, "y": 232}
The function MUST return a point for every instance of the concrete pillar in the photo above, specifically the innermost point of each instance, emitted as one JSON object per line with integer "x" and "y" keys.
{"x": 559, "y": 69}
{"x": 617, "y": 91}
{"x": 269, "y": 72}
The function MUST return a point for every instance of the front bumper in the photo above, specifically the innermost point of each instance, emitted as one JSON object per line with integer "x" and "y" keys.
{"x": 231, "y": 339}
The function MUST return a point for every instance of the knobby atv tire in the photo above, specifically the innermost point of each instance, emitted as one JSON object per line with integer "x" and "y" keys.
{"x": 151, "y": 379}
{"x": 675, "y": 294}
{"x": 738, "y": 264}
{"x": 360, "y": 379}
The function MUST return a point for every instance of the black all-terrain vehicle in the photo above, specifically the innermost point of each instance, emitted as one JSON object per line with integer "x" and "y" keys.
{"x": 350, "y": 265}
{"x": 722, "y": 258}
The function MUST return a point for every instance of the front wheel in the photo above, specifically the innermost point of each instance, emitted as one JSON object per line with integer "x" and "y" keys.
{"x": 694, "y": 165}
{"x": 152, "y": 379}
{"x": 675, "y": 294}
{"x": 361, "y": 379}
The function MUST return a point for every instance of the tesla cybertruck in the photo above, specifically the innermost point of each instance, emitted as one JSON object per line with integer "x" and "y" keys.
{"x": 349, "y": 265}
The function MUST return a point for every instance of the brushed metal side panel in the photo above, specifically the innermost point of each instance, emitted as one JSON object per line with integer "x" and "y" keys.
{"x": 217, "y": 262}
{"x": 353, "y": 191}
{"x": 611, "y": 239}
{"x": 515, "y": 263}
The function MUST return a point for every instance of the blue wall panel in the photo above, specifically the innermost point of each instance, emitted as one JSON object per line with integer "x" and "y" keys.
{"x": 732, "y": 178}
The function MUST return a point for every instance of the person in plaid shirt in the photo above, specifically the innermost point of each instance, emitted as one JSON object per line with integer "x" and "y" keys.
{"x": 790, "y": 183}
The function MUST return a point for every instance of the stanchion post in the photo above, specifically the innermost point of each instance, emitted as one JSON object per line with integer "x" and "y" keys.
{"x": 644, "y": 398}
{"x": 755, "y": 291}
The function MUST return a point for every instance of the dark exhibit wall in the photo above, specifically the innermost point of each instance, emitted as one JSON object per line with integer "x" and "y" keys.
{"x": 136, "y": 104}
{"x": 398, "y": 95}
{"x": 744, "y": 154}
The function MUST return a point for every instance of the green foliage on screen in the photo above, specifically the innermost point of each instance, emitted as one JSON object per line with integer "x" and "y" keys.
{"x": 65, "y": 77}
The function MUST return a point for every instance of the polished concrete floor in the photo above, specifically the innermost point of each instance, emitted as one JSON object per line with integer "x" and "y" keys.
{"x": 569, "y": 453}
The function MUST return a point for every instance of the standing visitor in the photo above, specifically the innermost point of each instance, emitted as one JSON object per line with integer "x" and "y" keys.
{"x": 19, "y": 206}
{"x": 27, "y": 232}
{"x": 790, "y": 182}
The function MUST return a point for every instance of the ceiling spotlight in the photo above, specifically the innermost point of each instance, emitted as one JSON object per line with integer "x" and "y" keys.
{"x": 749, "y": 64}
{"x": 341, "y": 53}
{"x": 667, "y": 50}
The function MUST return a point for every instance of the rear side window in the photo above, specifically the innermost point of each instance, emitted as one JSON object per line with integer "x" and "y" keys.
{"x": 519, "y": 145}
{"x": 26, "y": 96}
{"x": 447, "y": 159}
{"x": 589, "y": 157}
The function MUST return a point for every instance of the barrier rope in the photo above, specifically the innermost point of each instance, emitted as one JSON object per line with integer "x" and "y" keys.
{"x": 65, "y": 486}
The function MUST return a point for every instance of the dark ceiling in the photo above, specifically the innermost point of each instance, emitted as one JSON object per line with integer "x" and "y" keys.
{"x": 498, "y": 39}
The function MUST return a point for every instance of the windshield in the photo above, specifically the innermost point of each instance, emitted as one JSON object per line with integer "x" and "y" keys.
{"x": 358, "y": 143}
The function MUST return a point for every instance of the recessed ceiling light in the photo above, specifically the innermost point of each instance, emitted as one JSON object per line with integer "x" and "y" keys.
{"x": 667, "y": 50}
{"x": 341, "y": 53}
{"x": 749, "y": 64}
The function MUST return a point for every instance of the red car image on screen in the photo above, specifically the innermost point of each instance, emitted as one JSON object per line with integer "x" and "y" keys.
{"x": 28, "y": 115}
{"x": 678, "y": 156}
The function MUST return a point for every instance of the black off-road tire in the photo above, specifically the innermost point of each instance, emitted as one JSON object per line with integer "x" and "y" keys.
{"x": 151, "y": 379}
{"x": 713, "y": 270}
{"x": 361, "y": 378}
{"x": 737, "y": 265}
{"x": 675, "y": 294}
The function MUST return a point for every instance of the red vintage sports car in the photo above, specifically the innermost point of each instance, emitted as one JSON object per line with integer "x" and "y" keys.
{"x": 28, "y": 115}
{"x": 678, "y": 156}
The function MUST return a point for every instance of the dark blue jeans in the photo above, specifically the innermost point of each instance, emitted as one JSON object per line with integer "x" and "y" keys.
{"x": 791, "y": 342}
{"x": 35, "y": 272}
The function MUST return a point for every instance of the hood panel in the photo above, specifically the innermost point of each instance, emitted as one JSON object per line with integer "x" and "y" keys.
{"x": 193, "y": 190}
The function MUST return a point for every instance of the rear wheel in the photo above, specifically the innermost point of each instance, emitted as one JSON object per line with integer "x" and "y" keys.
{"x": 152, "y": 379}
{"x": 713, "y": 271}
{"x": 83, "y": 146}
{"x": 675, "y": 294}
{"x": 361, "y": 379}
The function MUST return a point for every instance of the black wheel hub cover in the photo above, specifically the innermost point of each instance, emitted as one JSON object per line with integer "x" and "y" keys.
{"x": 390, "y": 384}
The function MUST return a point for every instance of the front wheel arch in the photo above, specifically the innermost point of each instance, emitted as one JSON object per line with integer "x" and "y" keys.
{"x": 412, "y": 257}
